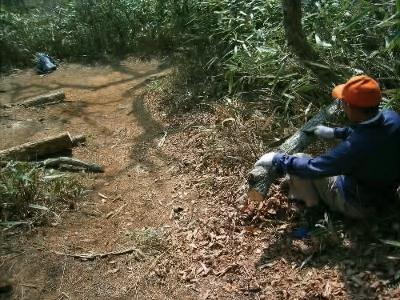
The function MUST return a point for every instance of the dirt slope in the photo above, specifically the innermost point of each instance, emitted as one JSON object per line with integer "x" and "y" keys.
{"x": 161, "y": 193}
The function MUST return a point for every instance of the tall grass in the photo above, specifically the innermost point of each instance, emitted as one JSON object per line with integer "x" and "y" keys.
{"x": 84, "y": 28}
{"x": 246, "y": 45}
{"x": 228, "y": 46}
{"x": 29, "y": 192}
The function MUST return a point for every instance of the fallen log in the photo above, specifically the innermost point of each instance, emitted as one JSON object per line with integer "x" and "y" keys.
{"x": 44, "y": 147}
{"x": 46, "y": 99}
{"x": 260, "y": 179}
{"x": 69, "y": 163}
{"x": 64, "y": 164}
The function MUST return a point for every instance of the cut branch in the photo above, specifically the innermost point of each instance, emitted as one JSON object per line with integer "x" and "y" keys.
{"x": 260, "y": 179}
{"x": 69, "y": 161}
{"x": 91, "y": 256}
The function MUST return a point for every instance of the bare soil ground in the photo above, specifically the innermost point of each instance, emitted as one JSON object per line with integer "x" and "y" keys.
{"x": 167, "y": 196}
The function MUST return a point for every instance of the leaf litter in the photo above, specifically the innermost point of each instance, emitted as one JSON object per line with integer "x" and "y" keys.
{"x": 239, "y": 249}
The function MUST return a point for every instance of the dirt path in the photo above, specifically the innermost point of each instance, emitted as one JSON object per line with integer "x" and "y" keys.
{"x": 104, "y": 103}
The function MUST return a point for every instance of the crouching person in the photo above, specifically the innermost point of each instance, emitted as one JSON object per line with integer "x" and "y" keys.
{"x": 362, "y": 173}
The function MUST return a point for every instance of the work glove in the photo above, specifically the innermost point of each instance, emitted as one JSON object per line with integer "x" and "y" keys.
{"x": 266, "y": 160}
{"x": 324, "y": 132}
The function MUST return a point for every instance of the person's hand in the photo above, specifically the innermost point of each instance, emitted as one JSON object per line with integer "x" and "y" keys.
{"x": 324, "y": 132}
{"x": 265, "y": 160}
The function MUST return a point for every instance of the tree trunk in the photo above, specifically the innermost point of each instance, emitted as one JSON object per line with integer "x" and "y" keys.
{"x": 260, "y": 178}
{"x": 297, "y": 41}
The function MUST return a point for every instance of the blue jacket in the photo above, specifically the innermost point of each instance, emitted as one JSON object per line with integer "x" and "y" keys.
{"x": 368, "y": 161}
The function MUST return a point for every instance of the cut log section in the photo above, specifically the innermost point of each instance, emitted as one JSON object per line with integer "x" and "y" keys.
{"x": 42, "y": 148}
{"x": 260, "y": 178}
{"x": 46, "y": 99}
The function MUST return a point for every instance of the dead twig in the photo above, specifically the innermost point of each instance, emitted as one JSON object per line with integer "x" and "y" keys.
{"x": 29, "y": 285}
{"x": 10, "y": 224}
{"x": 102, "y": 196}
{"x": 162, "y": 140}
{"x": 91, "y": 256}
{"x": 226, "y": 270}
{"x": 306, "y": 261}
{"x": 63, "y": 294}
{"x": 115, "y": 212}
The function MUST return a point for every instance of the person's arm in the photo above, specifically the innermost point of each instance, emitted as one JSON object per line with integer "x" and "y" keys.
{"x": 330, "y": 133}
{"x": 338, "y": 161}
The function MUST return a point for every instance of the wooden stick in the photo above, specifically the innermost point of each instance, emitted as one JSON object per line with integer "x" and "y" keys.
{"x": 260, "y": 178}
{"x": 115, "y": 212}
{"x": 91, "y": 256}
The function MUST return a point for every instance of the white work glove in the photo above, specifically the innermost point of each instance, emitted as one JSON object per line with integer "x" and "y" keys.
{"x": 266, "y": 160}
{"x": 324, "y": 132}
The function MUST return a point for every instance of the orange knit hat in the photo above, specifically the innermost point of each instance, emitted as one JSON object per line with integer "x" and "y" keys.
{"x": 359, "y": 91}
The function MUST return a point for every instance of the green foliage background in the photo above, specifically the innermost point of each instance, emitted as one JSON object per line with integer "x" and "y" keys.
{"x": 229, "y": 46}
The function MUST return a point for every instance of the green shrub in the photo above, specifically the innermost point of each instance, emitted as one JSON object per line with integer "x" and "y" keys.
{"x": 244, "y": 45}
{"x": 29, "y": 192}
{"x": 225, "y": 47}
{"x": 149, "y": 240}
{"x": 84, "y": 28}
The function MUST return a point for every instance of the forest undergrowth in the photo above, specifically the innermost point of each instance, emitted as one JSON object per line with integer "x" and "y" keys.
{"x": 225, "y": 48}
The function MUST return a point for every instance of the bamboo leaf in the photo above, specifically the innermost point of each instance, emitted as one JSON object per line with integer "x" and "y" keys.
{"x": 322, "y": 43}
{"x": 391, "y": 243}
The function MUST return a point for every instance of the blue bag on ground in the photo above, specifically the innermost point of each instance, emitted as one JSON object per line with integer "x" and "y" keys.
{"x": 301, "y": 233}
{"x": 45, "y": 64}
